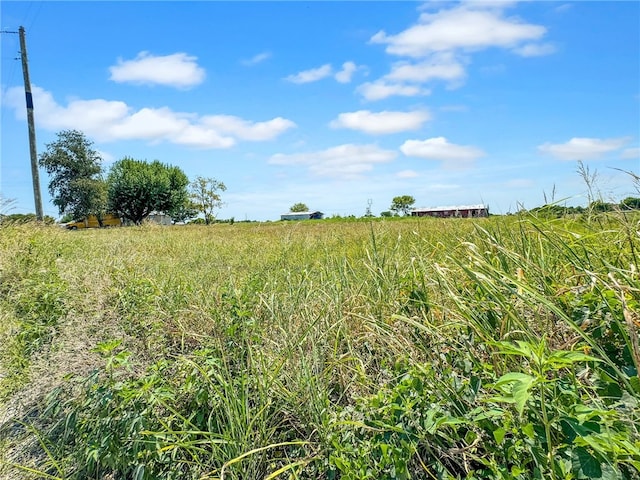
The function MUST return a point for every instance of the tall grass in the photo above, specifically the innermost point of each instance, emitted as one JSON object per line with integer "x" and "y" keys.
{"x": 501, "y": 348}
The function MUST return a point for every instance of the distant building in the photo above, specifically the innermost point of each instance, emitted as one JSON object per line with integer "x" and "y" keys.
{"x": 462, "y": 211}
{"x": 302, "y": 216}
{"x": 156, "y": 217}
{"x": 160, "y": 218}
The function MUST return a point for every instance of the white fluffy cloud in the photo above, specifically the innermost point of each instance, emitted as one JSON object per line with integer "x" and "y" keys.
{"x": 311, "y": 75}
{"x": 380, "y": 123}
{"x": 439, "y": 45}
{"x": 439, "y": 148}
{"x": 343, "y": 161}
{"x": 465, "y": 27}
{"x": 177, "y": 70}
{"x": 435, "y": 68}
{"x": 114, "y": 120}
{"x": 245, "y": 130}
{"x": 381, "y": 89}
{"x": 583, "y": 148}
{"x": 344, "y": 75}
{"x": 314, "y": 74}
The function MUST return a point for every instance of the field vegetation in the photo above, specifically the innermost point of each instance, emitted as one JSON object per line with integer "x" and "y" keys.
{"x": 497, "y": 348}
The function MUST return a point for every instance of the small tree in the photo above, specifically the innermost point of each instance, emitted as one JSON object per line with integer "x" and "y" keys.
{"x": 299, "y": 207}
{"x": 75, "y": 168}
{"x": 402, "y": 204}
{"x": 136, "y": 188}
{"x": 204, "y": 193}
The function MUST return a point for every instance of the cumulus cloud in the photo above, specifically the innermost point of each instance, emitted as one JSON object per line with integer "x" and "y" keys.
{"x": 245, "y": 130}
{"x": 256, "y": 59}
{"x": 343, "y": 161}
{"x": 344, "y": 75}
{"x": 177, "y": 70}
{"x": 380, "y": 123}
{"x": 381, "y": 89}
{"x": 440, "y": 43}
{"x": 583, "y": 148}
{"x": 436, "y": 68}
{"x": 312, "y": 75}
{"x": 464, "y": 27}
{"x": 439, "y": 148}
{"x": 107, "y": 120}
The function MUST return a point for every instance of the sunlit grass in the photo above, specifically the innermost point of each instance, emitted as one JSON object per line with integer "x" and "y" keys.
{"x": 323, "y": 349}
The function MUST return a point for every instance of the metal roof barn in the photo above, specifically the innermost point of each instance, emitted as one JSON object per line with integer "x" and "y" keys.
{"x": 302, "y": 216}
{"x": 462, "y": 211}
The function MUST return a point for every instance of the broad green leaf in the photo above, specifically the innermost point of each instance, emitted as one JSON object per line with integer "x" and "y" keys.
{"x": 499, "y": 434}
{"x": 522, "y": 349}
{"x": 609, "y": 472}
{"x": 520, "y": 389}
{"x": 514, "y": 377}
{"x": 565, "y": 358}
{"x": 521, "y": 393}
{"x": 528, "y": 430}
{"x": 585, "y": 465}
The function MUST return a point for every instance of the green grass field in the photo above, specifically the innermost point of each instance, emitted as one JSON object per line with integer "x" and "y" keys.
{"x": 499, "y": 348}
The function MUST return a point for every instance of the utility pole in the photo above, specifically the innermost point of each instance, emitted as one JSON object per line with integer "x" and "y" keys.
{"x": 32, "y": 129}
{"x": 368, "y": 212}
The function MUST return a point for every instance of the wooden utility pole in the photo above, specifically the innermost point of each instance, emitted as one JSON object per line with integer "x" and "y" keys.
{"x": 32, "y": 129}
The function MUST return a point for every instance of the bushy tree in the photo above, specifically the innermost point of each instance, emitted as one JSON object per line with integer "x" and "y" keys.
{"x": 205, "y": 196}
{"x": 601, "y": 206}
{"x": 402, "y": 204}
{"x": 299, "y": 207}
{"x": 630, "y": 203}
{"x": 75, "y": 171}
{"x": 136, "y": 188}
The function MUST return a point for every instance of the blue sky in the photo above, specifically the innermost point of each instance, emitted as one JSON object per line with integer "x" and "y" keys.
{"x": 336, "y": 104}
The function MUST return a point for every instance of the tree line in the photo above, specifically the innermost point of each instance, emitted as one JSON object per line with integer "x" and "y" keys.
{"x": 131, "y": 189}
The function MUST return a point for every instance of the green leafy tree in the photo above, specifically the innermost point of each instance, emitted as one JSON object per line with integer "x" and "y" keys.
{"x": 299, "y": 207}
{"x": 185, "y": 212}
{"x": 135, "y": 188}
{"x": 75, "y": 171}
{"x": 402, "y": 204}
{"x": 205, "y": 195}
{"x": 630, "y": 203}
{"x": 601, "y": 206}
